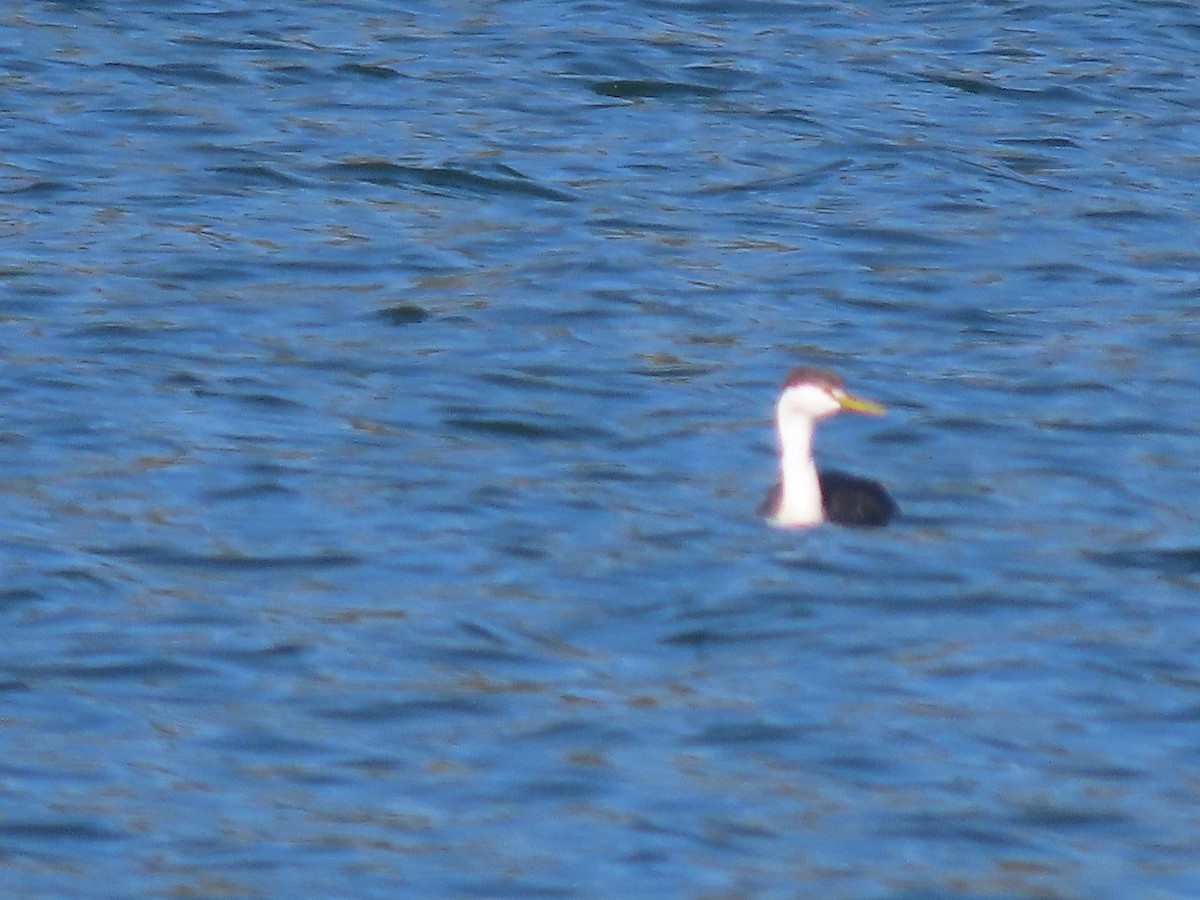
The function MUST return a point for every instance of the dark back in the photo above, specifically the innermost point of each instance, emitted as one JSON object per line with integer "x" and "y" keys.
{"x": 850, "y": 500}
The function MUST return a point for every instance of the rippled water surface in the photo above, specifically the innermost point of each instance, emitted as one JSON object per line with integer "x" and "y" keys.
{"x": 386, "y": 399}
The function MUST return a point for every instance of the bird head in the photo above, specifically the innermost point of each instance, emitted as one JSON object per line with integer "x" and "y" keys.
{"x": 814, "y": 394}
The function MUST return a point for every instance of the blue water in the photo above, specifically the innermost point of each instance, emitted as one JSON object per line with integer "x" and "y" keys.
{"x": 385, "y": 402}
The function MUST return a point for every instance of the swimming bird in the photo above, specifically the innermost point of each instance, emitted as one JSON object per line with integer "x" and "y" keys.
{"x": 804, "y": 495}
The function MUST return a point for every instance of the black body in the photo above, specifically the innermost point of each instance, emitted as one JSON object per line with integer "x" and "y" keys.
{"x": 846, "y": 500}
{"x": 850, "y": 500}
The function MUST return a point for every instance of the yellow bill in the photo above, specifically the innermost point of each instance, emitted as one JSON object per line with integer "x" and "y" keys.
{"x": 850, "y": 403}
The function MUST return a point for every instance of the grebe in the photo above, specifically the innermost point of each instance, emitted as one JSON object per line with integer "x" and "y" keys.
{"x": 803, "y": 495}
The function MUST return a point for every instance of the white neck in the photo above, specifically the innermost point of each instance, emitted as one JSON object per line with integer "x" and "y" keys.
{"x": 800, "y": 491}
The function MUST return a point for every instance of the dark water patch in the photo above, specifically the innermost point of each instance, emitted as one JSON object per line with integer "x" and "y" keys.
{"x": 1057, "y": 143}
{"x": 14, "y": 270}
{"x": 859, "y": 766}
{"x": 671, "y": 368}
{"x": 1173, "y": 562}
{"x": 732, "y": 833}
{"x": 524, "y": 548}
{"x": 551, "y": 428}
{"x": 877, "y": 236}
{"x": 209, "y": 43}
{"x": 18, "y": 597}
{"x": 1059, "y": 817}
{"x": 292, "y": 74}
{"x": 267, "y": 400}
{"x": 967, "y": 889}
{"x": 558, "y": 789}
{"x": 78, "y": 575}
{"x": 516, "y": 885}
{"x": 353, "y": 616}
{"x": 54, "y": 831}
{"x": 490, "y": 641}
{"x": 183, "y": 379}
{"x": 326, "y": 264}
{"x": 776, "y": 599}
{"x": 1060, "y": 271}
{"x": 255, "y": 491}
{"x": 257, "y": 740}
{"x": 122, "y": 331}
{"x": 1165, "y": 260}
{"x": 915, "y": 594}
{"x": 987, "y": 87}
{"x": 626, "y": 225}
{"x": 178, "y": 276}
{"x": 967, "y": 826}
{"x": 554, "y": 380}
{"x": 499, "y": 181}
{"x": 38, "y": 187}
{"x": 182, "y": 73}
{"x": 575, "y": 733}
{"x": 651, "y": 89}
{"x": 801, "y": 561}
{"x": 371, "y": 72}
{"x": 1128, "y": 215}
{"x": 700, "y": 637}
{"x": 403, "y": 314}
{"x": 432, "y": 707}
{"x": 262, "y": 399}
{"x": 1001, "y": 598}
{"x": 154, "y": 670}
{"x": 671, "y": 539}
{"x": 1105, "y": 771}
{"x": 806, "y": 178}
{"x": 256, "y": 175}
{"x": 1030, "y": 165}
{"x": 747, "y": 732}
{"x": 615, "y": 473}
{"x": 161, "y": 555}
{"x": 375, "y": 767}
{"x": 1184, "y": 715}
{"x": 266, "y": 658}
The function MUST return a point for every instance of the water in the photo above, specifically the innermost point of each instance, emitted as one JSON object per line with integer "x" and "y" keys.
{"x": 385, "y": 404}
